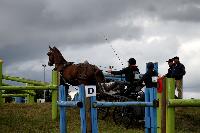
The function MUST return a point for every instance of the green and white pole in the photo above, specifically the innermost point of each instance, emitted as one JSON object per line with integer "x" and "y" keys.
{"x": 1, "y": 71}
{"x": 183, "y": 103}
{"x": 55, "y": 81}
{"x": 159, "y": 109}
{"x": 30, "y": 98}
{"x": 170, "y": 112}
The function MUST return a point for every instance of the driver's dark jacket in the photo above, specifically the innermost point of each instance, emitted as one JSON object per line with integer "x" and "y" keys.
{"x": 147, "y": 78}
{"x": 129, "y": 73}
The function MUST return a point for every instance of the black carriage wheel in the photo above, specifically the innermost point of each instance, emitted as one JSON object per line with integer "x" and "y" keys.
{"x": 122, "y": 116}
{"x": 102, "y": 113}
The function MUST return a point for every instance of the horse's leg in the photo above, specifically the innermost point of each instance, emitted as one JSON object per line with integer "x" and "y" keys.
{"x": 66, "y": 91}
{"x": 99, "y": 87}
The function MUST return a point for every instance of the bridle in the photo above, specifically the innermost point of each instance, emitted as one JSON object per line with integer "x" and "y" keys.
{"x": 52, "y": 55}
{"x": 51, "y": 58}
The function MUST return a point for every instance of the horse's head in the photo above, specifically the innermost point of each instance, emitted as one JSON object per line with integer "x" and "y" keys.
{"x": 51, "y": 55}
{"x": 55, "y": 57}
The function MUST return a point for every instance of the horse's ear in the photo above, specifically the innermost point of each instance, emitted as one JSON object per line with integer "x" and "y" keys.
{"x": 50, "y": 47}
{"x": 55, "y": 48}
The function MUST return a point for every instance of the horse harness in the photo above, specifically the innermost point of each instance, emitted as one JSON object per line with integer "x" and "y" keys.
{"x": 82, "y": 70}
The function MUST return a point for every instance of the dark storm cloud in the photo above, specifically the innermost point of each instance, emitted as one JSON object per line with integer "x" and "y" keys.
{"x": 82, "y": 22}
{"x": 22, "y": 53}
{"x": 63, "y": 21}
{"x": 175, "y": 10}
{"x": 27, "y": 27}
{"x": 30, "y": 25}
{"x": 74, "y": 26}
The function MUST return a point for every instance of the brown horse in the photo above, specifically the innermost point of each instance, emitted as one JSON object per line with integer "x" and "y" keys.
{"x": 75, "y": 74}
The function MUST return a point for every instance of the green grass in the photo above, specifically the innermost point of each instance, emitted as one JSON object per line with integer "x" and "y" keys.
{"x": 188, "y": 120}
{"x": 23, "y": 118}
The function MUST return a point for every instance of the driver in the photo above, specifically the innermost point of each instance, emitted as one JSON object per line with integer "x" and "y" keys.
{"x": 130, "y": 71}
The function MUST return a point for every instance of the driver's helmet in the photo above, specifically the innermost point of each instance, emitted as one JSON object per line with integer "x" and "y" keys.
{"x": 150, "y": 65}
{"x": 132, "y": 61}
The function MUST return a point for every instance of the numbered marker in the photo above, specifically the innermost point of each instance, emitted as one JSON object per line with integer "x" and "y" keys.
{"x": 90, "y": 90}
{"x": 154, "y": 79}
{"x": 137, "y": 76}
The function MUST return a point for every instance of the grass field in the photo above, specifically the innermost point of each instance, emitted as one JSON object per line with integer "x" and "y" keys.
{"x": 22, "y": 118}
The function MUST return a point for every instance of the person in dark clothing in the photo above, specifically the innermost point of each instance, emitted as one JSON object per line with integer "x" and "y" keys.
{"x": 170, "y": 69}
{"x": 131, "y": 75}
{"x": 178, "y": 73}
{"x": 150, "y": 77}
{"x": 179, "y": 69}
{"x": 150, "y": 80}
{"x": 130, "y": 71}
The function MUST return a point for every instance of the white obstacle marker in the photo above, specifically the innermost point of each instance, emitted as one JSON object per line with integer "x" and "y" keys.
{"x": 90, "y": 90}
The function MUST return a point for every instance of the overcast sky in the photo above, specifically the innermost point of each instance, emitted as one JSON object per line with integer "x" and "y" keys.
{"x": 148, "y": 30}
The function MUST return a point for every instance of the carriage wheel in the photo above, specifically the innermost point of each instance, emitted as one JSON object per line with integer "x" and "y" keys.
{"x": 102, "y": 113}
{"x": 122, "y": 116}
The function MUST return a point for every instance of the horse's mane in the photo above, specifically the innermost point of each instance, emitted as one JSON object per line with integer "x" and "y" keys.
{"x": 59, "y": 54}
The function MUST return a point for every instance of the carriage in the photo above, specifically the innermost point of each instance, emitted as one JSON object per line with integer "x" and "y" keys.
{"x": 122, "y": 91}
{"x": 87, "y": 74}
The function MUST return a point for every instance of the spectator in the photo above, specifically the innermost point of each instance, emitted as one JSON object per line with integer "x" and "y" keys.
{"x": 170, "y": 69}
{"x": 178, "y": 73}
